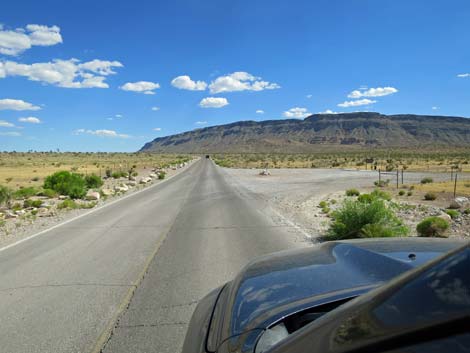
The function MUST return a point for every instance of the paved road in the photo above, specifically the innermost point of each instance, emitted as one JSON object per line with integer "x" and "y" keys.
{"x": 135, "y": 269}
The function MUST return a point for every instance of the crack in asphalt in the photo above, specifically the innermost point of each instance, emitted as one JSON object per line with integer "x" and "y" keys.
{"x": 178, "y": 323}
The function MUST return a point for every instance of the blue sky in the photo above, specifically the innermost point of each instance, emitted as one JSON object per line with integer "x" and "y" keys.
{"x": 85, "y": 77}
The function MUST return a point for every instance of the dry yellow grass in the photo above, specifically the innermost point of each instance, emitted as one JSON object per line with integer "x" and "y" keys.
{"x": 30, "y": 169}
{"x": 463, "y": 187}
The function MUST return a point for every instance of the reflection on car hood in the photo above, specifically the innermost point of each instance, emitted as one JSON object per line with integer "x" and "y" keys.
{"x": 274, "y": 283}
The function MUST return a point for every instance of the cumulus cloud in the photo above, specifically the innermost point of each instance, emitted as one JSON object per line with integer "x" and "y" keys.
{"x": 240, "y": 81}
{"x": 435, "y": 108}
{"x": 10, "y": 133}
{"x": 101, "y": 133}
{"x": 328, "y": 111}
{"x": 16, "y": 104}
{"x": 63, "y": 73}
{"x": 309, "y": 96}
{"x": 155, "y": 109}
{"x": 4, "y": 123}
{"x": 185, "y": 82}
{"x": 463, "y": 75}
{"x": 145, "y": 87}
{"x": 357, "y": 103}
{"x": 15, "y": 42}
{"x": 213, "y": 102}
{"x": 373, "y": 92}
{"x": 30, "y": 120}
{"x": 200, "y": 122}
{"x": 298, "y": 113}
{"x": 260, "y": 111}
{"x": 157, "y": 129}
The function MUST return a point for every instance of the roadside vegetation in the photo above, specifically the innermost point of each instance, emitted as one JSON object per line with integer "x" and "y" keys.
{"x": 45, "y": 196}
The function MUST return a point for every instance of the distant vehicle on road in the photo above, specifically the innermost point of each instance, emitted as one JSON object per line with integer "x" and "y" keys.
{"x": 396, "y": 295}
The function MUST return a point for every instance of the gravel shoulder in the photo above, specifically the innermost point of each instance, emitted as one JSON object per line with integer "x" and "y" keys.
{"x": 294, "y": 194}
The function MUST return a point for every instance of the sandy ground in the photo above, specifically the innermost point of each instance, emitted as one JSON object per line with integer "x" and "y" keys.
{"x": 295, "y": 193}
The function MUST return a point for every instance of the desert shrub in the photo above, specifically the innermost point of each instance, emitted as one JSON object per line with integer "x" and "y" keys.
{"x": 66, "y": 183}
{"x": 379, "y": 194}
{"x": 409, "y": 193}
{"x": 134, "y": 174}
{"x": 67, "y": 204}
{"x": 357, "y": 219}
{"x": 401, "y": 192}
{"x": 453, "y": 213}
{"x": 117, "y": 175}
{"x": 5, "y": 195}
{"x": 161, "y": 175}
{"x": 108, "y": 173}
{"x": 326, "y": 210}
{"x": 88, "y": 205}
{"x": 382, "y": 183}
{"x": 333, "y": 202}
{"x": 323, "y": 204}
{"x": 426, "y": 180}
{"x": 467, "y": 211}
{"x": 352, "y": 192}
{"x": 365, "y": 198}
{"x": 432, "y": 227}
{"x": 430, "y": 196}
{"x": 48, "y": 193}
{"x": 16, "y": 206}
{"x": 25, "y": 193}
{"x": 32, "y": 203}
{"x": 467, "y": 185}
{"x": 35, "y": 178}
{"x": 93, "y": 181}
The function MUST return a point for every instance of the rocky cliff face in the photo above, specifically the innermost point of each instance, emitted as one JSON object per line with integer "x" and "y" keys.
{"x": 353, "y": 130}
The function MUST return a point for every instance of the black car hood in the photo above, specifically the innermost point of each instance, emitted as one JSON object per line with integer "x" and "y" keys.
{"x": 275, "y": 285}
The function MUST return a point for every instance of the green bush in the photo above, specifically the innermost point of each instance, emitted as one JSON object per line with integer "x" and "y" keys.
{"x": 467, "y": 211}
{"x": 67, "y": 204}
{"x": 409, "y": 193}
{"x": 24, "y": 193}
{"x": 108, "y": 173}
{"x": 48, "y": 193}
{"x": 352, "y": 192}
{"x": 32, "y": 203}
{"x": 93, "y": 181}
{"x": 432, "y": 227}
{"x": 323, "y": 204}
{"x": 117, "y": 175}
{"x": 379, "y": 194}
{"x": 401, "y": 192}
{"x": 161, "y": 175}
{"x": 66, "y": 183}
{"x": 5, "y": 195}
{"x": 453, "y": 213}
{"x": 356, "y": 219}
{"x": 426, "y": 180}
{"x": 381, "y": 183}
{"x": 430, "y": 196}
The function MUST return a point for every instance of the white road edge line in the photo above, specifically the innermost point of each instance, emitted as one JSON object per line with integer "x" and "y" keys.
{"x": 91, "y": 211}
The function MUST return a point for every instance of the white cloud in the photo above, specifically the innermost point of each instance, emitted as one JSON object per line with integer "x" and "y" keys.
{"x": 185, "y": 82}
{"x": 145, "y": 87}
{"x": 15, "y": 42}
{"x": 240, "y": 81}
{"x": 200, "y": 122}
{"x": 4, "y": 123}
{"x": 157, "y": 129}
{"x": 356, "y": 103}
{"x": 63, "y": 73}
{"x": 10, "y": 133}
{"x": 373, "y": 92}
{"x": 435, "y": 108}
{"x": 16, "y": 104}
{"x": 328, "y": 111}
{"x": 30, "y": 119}
{"x": 118, "y": 116}
{"x": 297, "y": 113}
{"x": 463, "y": 75}
{"x": 101, "y": 133}
{"x": 309, "y": 96}
{"x": 213, "y": 102}
{"x": 260, "y": 111}
{"x": 155, "y": 109}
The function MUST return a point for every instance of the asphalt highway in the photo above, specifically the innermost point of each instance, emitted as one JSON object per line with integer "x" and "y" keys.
{"x": 126, "y": 277}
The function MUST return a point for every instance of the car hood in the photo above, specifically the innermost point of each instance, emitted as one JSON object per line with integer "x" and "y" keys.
{"x": 276, "y": 285}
